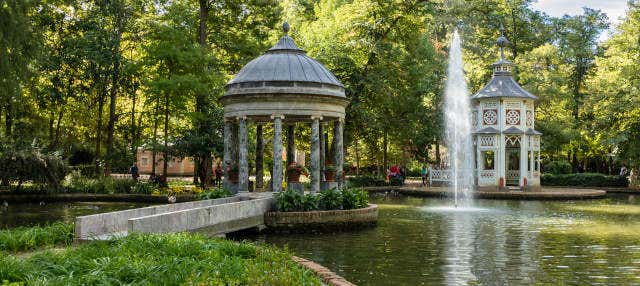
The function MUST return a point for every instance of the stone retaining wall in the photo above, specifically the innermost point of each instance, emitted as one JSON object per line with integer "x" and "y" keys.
{"x": 326, "y": 275}
{"x": 300, "y": 221}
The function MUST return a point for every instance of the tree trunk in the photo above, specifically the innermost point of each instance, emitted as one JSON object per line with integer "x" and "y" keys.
{"x": 438, "y": 160}
{"x": 385, "y": 143}
{"x": 155, "y": 138}
{"x": 165, "y": 162}
{"x": 113, "y": 95}
{"x": 132, "y": 126}
{"x": 204, "y": 161}
{"x": 99, "y": 129}
{"x": 8, "y": 123}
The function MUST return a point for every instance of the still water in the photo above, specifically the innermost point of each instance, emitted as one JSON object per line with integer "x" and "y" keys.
{"x": 34, "y": 214}
{"x": 420, "y": 241}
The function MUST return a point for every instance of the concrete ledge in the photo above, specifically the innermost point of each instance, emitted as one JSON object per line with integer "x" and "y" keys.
{"x": 102, "y": 225}
{"x": 314, "y": 220}
{"x": 219, "y": 218}
{"x": 543, "y": 194}
{"x": 326, "y": 275}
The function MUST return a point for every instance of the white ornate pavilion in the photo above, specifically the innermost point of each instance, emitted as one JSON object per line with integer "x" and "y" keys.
{"x": 507, "y": 145}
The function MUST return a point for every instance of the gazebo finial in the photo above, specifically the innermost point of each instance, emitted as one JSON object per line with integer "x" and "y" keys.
{"x": 502, "y": 42}
{"x": 285, "y": 28}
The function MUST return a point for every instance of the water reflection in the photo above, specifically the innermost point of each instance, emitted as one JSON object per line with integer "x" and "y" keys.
{"x": 504, "y": 243}
{"x": 35, "y": 213}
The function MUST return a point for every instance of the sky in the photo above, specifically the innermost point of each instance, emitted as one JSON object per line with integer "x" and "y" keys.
{"x": 557, "y": 8}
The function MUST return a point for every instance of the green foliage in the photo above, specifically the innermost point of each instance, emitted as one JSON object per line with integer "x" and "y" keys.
{"x": 29, "y": 238}
{"x": 311, "y": 203}
{"x": 168, "y": 259}
{"x": 77, "y": 183}
{"x": 557, "y": 167}
{"x": 289, "y": 201}
{"x": 584, "y": 180}
{"x": 30, "y": 164}
{"x": 366, "y": 181}
{"x": 215, "y": 193}
{"x": 331, "y": 199}
{"x": 144, "y": 188}
{"x": 354, "y": 199}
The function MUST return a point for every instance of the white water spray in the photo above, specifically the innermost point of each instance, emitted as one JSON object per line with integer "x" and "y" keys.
{"x": 457, "y": 113}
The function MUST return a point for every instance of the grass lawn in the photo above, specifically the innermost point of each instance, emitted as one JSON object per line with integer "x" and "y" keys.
{"x": 168, "y": 259}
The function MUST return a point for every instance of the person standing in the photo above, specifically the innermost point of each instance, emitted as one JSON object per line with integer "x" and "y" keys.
{"x": 623, "y": 171}
{"x": 423, "y": 173}
{"x": 134, "y": 171}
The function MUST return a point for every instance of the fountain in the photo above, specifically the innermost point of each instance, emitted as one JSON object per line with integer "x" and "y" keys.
{"x": 458, "y": 125}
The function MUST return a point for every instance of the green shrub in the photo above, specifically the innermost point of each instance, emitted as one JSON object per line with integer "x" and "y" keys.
{"x": 29, "y": 238}
{"x": 311, "y": 203}
{"x": 557, "y": 167}
{"x": 31, "y": 165}
{"x": 354, "y": 199}
{"x": 331, "y": 199}
{"x": 76, "y": 183}
{"x": 366, "y": 181}
{"x": 584, "y": 180}
{"x": 167, "y": 259}
{"x": 215, "y": 193}
{"x": 289, "y": 201}
{"x": 144, "y": 188}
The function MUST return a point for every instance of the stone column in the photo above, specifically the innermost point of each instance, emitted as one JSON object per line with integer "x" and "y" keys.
{"x": 322, "y": 152}
{"x": 233, "y": 153}
{"x": 523, "y": 159}
{"x": 243, "y": 166}
{"x": 315, "y": 154}
{"x": 338, "y": 150}
{"x": 276, "y": 179}
{"x": 291, "y": 145}
{"x": 259, "y": 158}
{"x": 226, "y": 157}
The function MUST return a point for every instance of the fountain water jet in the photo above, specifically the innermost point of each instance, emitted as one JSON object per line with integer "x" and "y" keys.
{"x": 458, "y": 124}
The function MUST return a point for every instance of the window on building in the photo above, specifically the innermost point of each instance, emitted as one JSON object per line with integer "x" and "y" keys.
{"x": 144, "y": 161}
{"x": 488, "y": 160}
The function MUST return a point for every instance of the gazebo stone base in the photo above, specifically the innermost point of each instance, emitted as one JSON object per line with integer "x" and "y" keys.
{"x": 328, "y": 185}
{"x": 233, "y": 187}
{"x": 296, "y": 186}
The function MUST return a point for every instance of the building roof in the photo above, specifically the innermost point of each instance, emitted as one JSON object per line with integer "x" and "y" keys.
{"x": 513, "y": 130}
{"x": 487, "y": 130}
{"x": 284, "y": 65}
{"x": 532, "y": 131}
{"x": 502, "y": 84}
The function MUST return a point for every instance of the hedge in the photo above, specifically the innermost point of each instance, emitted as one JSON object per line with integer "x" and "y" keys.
{"x": 584, "y": 180}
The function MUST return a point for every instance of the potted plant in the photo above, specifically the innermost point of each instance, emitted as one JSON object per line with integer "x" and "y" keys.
{"x": 232, "y": 172}
{"x": 294, "y": 171}
{"x": 330, "y": 173}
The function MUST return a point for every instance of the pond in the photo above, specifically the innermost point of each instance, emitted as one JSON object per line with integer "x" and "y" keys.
{"x": 418, "y": 242}
{"x": 35, "y": 213}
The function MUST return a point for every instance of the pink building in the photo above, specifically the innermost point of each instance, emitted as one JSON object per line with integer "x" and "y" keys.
{"x": 175, "y": 166}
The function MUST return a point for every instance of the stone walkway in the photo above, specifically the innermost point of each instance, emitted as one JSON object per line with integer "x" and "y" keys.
{"x": 414, "y": 188}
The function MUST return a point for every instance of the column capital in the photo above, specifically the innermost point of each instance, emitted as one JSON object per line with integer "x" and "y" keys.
{"x": 274, "y": 116}
{"x": 243, "y": 117}
{"x": 314, "y": 117}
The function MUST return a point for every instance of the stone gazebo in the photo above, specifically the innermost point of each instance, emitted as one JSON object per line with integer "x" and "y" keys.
{"x": 506, "y": 144}
{"x": 282, "y": 86}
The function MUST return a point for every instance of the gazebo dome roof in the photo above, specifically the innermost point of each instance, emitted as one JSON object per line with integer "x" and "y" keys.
{"x": 284, "y": 81}
{"x": 502, "y": 84}
{"x": 287, "y": 68}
